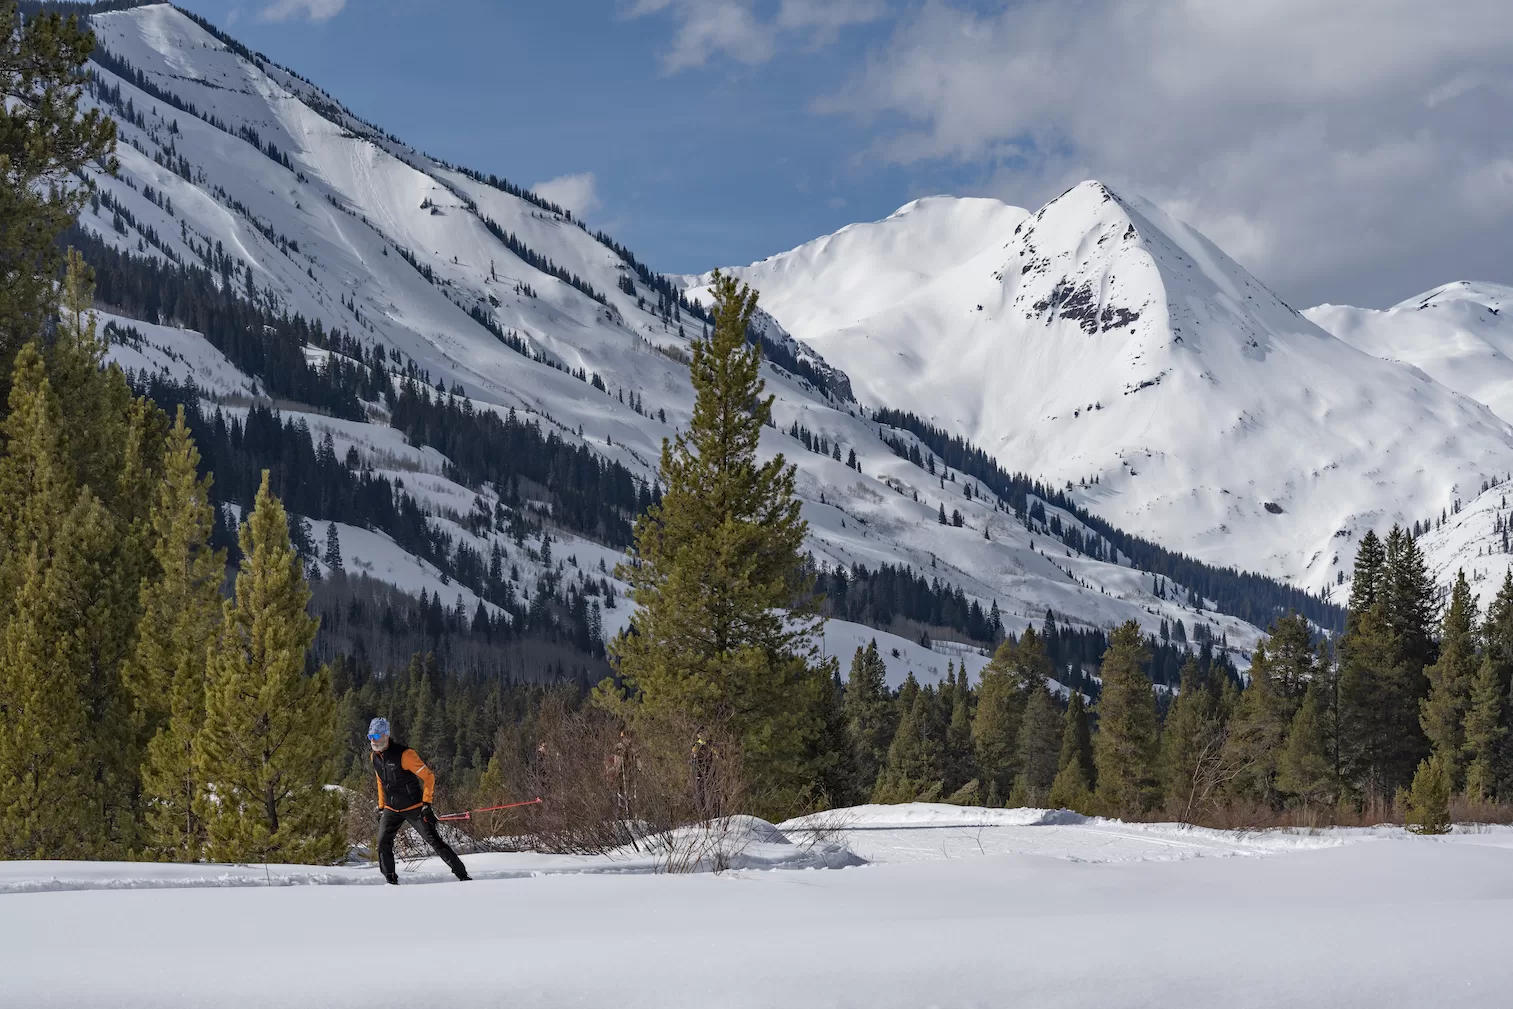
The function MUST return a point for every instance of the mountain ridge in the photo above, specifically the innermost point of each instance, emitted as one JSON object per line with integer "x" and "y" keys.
{"x": 1109, "y": 346}
{"x": 454, "y": 281}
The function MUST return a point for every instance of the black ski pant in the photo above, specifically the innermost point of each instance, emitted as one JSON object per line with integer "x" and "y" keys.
{"x": 389, "y": 823}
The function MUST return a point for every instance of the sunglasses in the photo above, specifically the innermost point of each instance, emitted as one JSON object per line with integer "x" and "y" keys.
{"x": 376, "y": 736}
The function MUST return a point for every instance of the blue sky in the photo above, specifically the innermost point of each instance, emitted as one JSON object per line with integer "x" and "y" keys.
{"x": 1341, "y": 157}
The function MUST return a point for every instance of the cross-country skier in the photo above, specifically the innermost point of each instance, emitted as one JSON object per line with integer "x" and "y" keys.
{"x": 405, "y": 788}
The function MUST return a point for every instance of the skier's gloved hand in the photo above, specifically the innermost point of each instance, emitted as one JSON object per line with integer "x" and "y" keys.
{"x": 427, "y": 814}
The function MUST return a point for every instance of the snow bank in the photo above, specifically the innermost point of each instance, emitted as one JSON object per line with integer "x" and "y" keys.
{"x": 926, "y": 831}
{"x": 738, "y": 842}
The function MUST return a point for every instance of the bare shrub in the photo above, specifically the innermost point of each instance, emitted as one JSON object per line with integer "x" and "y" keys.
{"x": 828, "y": 828}
{"x": 360, "y": 816}
{"x": 663, "y": 789}
{"x": 573, "y": 767}
{"x": 1472, "y": 811}
{"x": 690, "y": 785}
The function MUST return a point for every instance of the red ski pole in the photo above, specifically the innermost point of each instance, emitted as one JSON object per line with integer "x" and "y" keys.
{"x": 468, "y": 814}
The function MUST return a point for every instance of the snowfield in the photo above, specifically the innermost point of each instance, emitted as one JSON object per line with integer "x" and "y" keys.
{"x": 957, "y": 907}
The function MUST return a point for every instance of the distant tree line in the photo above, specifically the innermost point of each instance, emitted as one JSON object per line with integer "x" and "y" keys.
{"x": 317, "y": 484}
{"x": 1408, "y": 709}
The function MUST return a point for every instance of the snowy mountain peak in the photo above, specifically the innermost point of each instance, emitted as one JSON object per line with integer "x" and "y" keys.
{"x": 1105, "y": 261}
{"x": 1459, "y": 333}
{"x": 1110, "y": 347}
{"x": 1479, "y": 296}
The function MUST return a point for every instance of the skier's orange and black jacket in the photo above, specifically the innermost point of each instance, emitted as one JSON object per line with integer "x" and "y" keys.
{"x": 404, "y": 780}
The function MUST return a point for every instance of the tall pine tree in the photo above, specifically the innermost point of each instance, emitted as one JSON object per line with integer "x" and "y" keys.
{"x": 181, "y": 609}
{"x": 1073, "y": 787}
{"x": 1451, "y": 679}
{"x": 1125, "y": 748}
{"x": 1382, "y": 654}
{"x": 269, "y": 747}
{"x": 719, "y": 636}
{"x": 870, "y": 714}
{"x": 960, "y": 764}
{"x": 1039, "y": 744}
{"x": 995, "y": 728}
{"x": 1191, "y": 742}
{"x": 50, "y": 805}
{"x": 1485, "y": 732}
{"x": 1305, "y": 768}
{"x": 1280, "y": 671}
{"x": 871, "y": 718}
{"x": 79, "y": 459}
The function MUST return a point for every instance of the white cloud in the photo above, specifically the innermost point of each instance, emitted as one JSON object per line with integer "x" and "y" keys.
{"x": 746, "y": 31}
{"x": 291, "y": 10}
{"x": 578, "y": 193}
{"x": 1339, "y": 151}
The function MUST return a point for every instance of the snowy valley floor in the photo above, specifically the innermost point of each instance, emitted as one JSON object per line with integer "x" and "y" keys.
{"x": 956, "y": 908}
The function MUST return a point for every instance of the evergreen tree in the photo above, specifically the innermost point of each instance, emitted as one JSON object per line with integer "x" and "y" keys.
{"x": 333, "y": 546}
{"x": 1039, "y": 744}
{"x": 1429, "y": 797}
{"x": 1370, "y": 697}
{"x": 718, "y": 636}
{"x": 1366, "y": 578}
{"x": 1410, "y": 606}
{"x": 1292, "y": 655}
{"x": 48, "y": 809}
{"x": 1030, "y": 663}
{"x": 1191, "y": 742}
{"x": 1073, "y": 787}
{"x": 268, "y": 747}
{"x": 80, "y": 458}
{"x": 166, "y": 676}
{"x": 1126, "y": 746}
{"x": 1305, "y": 768}
{"x": 871, "y": 719}
{"x": 1281, "y": 669}
{"x": 1451, "y": 679}
{"x": 960, "y": 765}
{"x": 1497, "y": 631}
{"x": 913, "y": 771}
{"x": 832, "y": 757}
{"x": 114, "y": 444}
{"x": 995, "y": 729}
{"x": 45, "y": 143}
{"x": 1485, "y": 731}
{"x": 1382, "y": 655}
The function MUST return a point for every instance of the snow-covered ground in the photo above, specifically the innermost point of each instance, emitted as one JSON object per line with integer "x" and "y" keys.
{"x": 958, "y": 907}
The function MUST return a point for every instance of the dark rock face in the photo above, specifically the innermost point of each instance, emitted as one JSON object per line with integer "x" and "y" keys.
{"x": 1080, "y": 304}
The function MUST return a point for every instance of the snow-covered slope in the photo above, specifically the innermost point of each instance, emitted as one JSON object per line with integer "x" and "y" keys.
{"x": 245, "y": 168}
{"x": 1460, "y": 334}
{"x": 1101, "y": 343}
{"x": 866, "y": 270}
